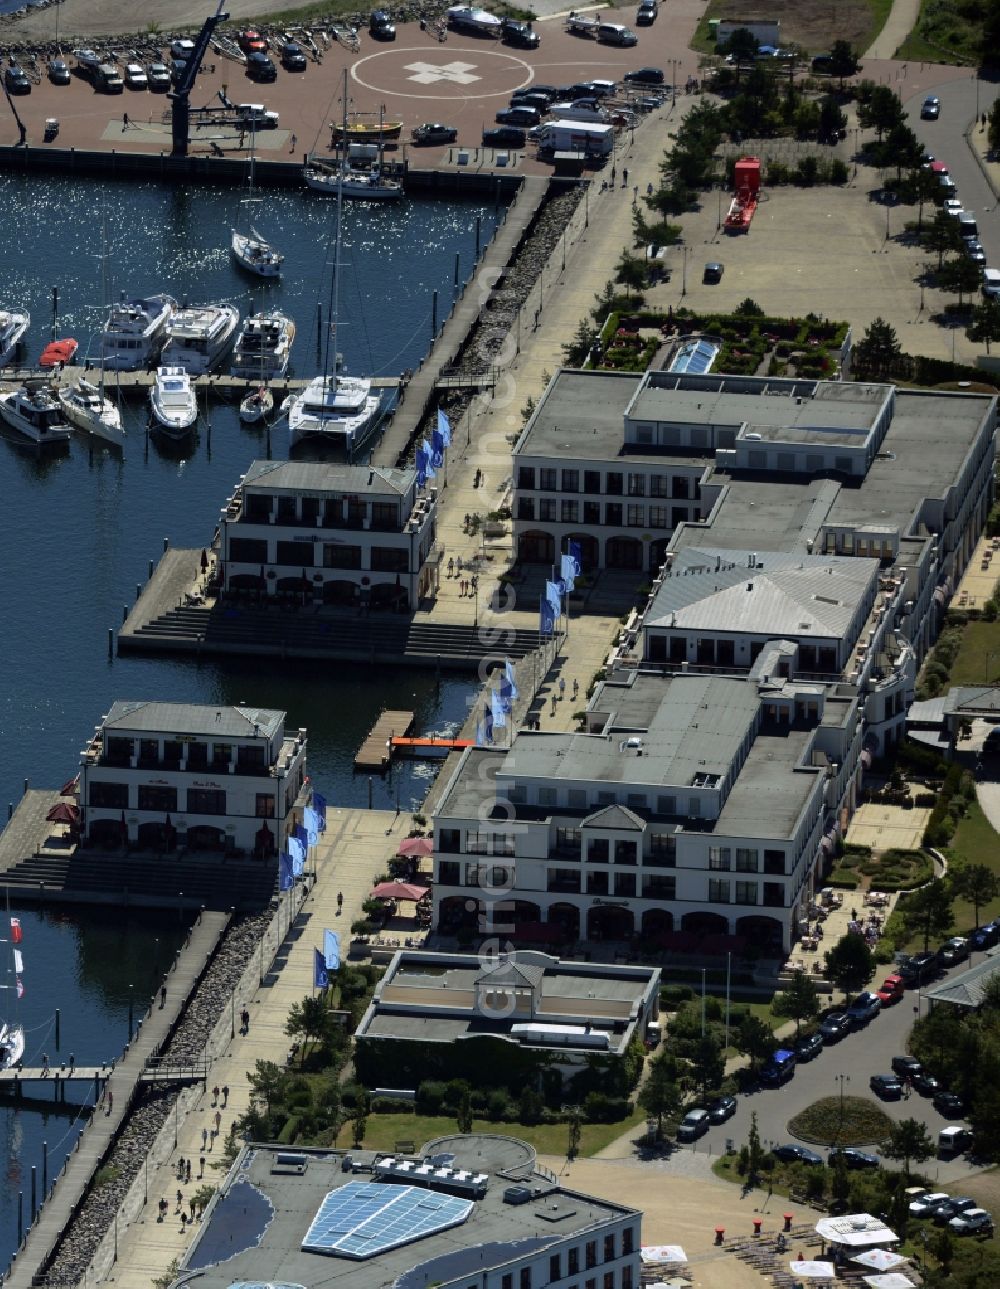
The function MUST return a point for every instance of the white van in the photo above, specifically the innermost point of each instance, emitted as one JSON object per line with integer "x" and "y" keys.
{"x": 954, "y": 1140}
{"x": 991, "y": 282}
{"x": 613, "y": 33}
{"x": 257, "y": 115}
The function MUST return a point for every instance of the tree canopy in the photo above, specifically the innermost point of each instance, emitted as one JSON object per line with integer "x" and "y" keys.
{"x": 850, "y": 964}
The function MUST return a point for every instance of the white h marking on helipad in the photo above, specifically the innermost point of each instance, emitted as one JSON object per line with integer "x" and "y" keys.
{"x": 431, "y": 73}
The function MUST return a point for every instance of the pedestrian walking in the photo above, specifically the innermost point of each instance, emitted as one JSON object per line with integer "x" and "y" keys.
{"x": 201, "y": 1165}
{"x": 294, "y": 144}
{"x": 562, "y": 687}
{"x": 451, "y": 566}
{"x": 45, "y": 1065}
{"x": 649, "y": 189}
{"x": 246, "y": 1021}
{"x": 204, "y": 1138}
{"x": 187, "y": 1171}
{"x": 163, "y": 996}
{"x": 194, "y": 1204}
{"x": 576, "y": 687}
{"x": 125, "y": 122}
{"x": 625, "y": 176}
{"x": 225, "y": 1094}
{"x": 179, "y": 1170}
{"x": 184, "y": 1221}
{"x": 111, "y": 1101}
{"x": 218, "y": 1120}
{"x": 180, "y": 1201}
{"x": 215, "y": 1095}
{"x": 635, "y": 195}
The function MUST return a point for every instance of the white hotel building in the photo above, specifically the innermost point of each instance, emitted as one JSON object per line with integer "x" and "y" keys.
{"x": 167, "y": 776}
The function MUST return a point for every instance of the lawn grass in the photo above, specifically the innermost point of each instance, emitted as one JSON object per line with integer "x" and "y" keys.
{"x": 860, "y": 26}
{"x": 942, "y": 35}
{"x": 976, "y": 842}
{"x": 382, "y": 1131}
{"x": 978, "y": 654}
{"x": 853, "y": 1121}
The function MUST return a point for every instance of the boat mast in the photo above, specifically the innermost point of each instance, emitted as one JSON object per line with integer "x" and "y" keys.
{"x": 335, "y": 280}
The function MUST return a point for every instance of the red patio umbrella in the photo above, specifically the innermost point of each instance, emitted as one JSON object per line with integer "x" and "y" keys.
{"x": 415, "y": 846}
{"x": 399, "y": 891}
{"x": 63, "y": 812}
{"x": 69, "y": 789}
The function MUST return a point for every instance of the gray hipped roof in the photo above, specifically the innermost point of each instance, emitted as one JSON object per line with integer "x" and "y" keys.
{"x": 203, "y": 720}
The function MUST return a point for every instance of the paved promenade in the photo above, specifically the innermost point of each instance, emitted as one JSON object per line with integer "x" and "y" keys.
{"x": 95, "y": 1140}
{"x": 353, "y": 851}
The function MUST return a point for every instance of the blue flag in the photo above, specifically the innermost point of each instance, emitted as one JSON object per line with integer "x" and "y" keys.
{"x": 312, "y": 825}
{"x": 321, "y": 977}
{"x": 319, "y": 805}
{"x": 331, "y": 950}
{"x": 569, "y": 569}
{"x": 506, "y": 696}
{"x": 577, "y": 556}
{"x": 508, "y": 671}
{"x": 297, "y": 852}
{"x": 429, "y": 461}
{"x": 299, "y": 832}
{"x": 546, "y": 618}
{"x": 444, "y": 428}
{"x": 285, "y": 877}
{"x": 488, "y": 724}
{"x": 554, "y": 597}
{"x": 480, "y": 734}
{"x": 421, "y": 463}
{"x": 437, "y": 449}
{"x": 497, "y": 710}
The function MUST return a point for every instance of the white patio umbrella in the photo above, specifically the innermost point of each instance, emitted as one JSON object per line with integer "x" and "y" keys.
{"x": 655, "y": 1254}
{"x": 891, "y": 1280}
{"x": 879, "y": 1259}
{"x": 813, "y": 1270}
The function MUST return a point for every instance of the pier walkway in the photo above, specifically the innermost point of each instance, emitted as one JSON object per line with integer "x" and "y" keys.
{"x": 374, "y": 753}
{"x": 419, "y": 391}
{"x": 121, "y": 1088}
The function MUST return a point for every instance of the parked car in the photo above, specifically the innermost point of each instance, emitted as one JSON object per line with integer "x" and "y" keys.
{"x": 984, "y": 937}
{"x": 925, "y": 1204}
{"x": 646, "y": 13}
{"x": 949, "y": 1208}
{"x": 930, "y": 108}
{"x": 251, "y": 41}
{"x": 521, "y": 115}
{"x": 519, "y": 35}
{"x": 948, "y": 1104}
{"x": 135, "y": 77}
{"x": 864, "y": 1008}
{"x": 926, "y": 1084}
{"x": 919, "y": 968}
{"x": 836, "y": 1025}
{"x": 713, "y": 272}
{"x": 853, "y": 1158}
{"x": 887, "y": 1086}
{"x": 15, "y": 81}
{"x": 59, "y": 73}
{"x": 381, "y": 26}
{"x": 644, "y": 76}
{"x": 293, "y": 57}
{"x": 891, "y": 990}
{"x": 181, "y": 50}
{"x": 694, "y": 1125}
{"x": 808, "y": 1046}
{"x": 433, "y": 132}
{"x": 907, "y": 1067}
{"x": 953, "y": 951}
{"x": 779, "y": 1069}
{"x": 973, "y": 1221}
{"x": 260, "y": 67}
{"x": 504, "y": 136}
{"x": 977, "y": 940}
{"x": 792, "y": 1154}
{"x": 158, "y": 77}
{"x": 525, "y": 98}
{"x": 721, "y": 1109}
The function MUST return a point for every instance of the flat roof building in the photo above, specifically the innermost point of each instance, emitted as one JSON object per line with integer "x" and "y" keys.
{"x": 467, "y": 1210}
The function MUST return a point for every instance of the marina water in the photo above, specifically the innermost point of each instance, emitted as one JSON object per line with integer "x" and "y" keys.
{"x": 79, "y": 529}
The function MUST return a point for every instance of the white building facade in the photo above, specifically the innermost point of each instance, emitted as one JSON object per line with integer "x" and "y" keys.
{"x": 170, "y": 776}
{"x": 330, "y": 534}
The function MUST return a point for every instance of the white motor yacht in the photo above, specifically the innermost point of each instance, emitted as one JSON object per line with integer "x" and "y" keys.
{"x": 254, "y": 253}
{"x": 134, "y": 332}
{"x": 337, "y": 409}
{"x": 13, "y": 325}
{"x": 174, "y": 401}
{"x": 11, "y": 1046}
{"x": 87, "y": 408}
{"x": 34, "y": 411}
{"x": 198, "y": 337}
{"x": 264, "y": 346}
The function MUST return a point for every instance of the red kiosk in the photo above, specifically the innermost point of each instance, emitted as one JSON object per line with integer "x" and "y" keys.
{"x": 746, "y": 181}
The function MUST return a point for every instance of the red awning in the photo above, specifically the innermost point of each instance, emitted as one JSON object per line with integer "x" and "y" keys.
{"x": 415, "y": 846}
{"x": 400, "y": 891}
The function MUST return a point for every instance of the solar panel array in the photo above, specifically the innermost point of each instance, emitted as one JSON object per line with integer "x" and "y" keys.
{"x": 363, "y": 1219}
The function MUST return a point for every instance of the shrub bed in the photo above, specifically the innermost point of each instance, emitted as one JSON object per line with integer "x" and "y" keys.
{"x": 853, "y": 1121}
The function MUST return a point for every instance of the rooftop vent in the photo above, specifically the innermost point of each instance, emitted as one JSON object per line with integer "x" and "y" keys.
{"x": 517, "y": 1195}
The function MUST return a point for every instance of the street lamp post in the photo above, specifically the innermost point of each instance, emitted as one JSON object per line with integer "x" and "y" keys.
{"x": 841, "y": 1079}
{"x": 684, "y": 273}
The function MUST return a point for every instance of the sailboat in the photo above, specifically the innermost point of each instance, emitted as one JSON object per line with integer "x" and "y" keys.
{"x": 84, "y": 403}
{"x": 334, "y": 408}
{"x": 252, "y": 251}
{"x": 11, "y": 1032}
{"x": 347, "y": 180}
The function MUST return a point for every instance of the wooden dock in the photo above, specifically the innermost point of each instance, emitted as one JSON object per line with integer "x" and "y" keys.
{"x": 376, "y": 751}
{"x": 137, "y": 384}
{"x": 124, "y": 1082}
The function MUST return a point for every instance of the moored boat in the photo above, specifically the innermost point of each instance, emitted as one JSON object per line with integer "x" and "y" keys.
{"x": 87, "y": 408}
{"x": 11, "y": 1032}
{"x": 359, "y": 130}
{"x": 254, "y": 253}
{"x": 173, "y": 401}
{"x": 34, "y": 411}
{"x": 257, "y": 406}
{"x": 264, "y": 346}
{"x": 13, "y": 325}
{"x": 59, "y": 353}
{"x": 134, "y": 332}
{"x": 364, "y": 185}
{"x": 198, "y": 337}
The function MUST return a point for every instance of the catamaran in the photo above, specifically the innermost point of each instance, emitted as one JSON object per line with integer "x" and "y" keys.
{"x": 11, "y": 1031}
